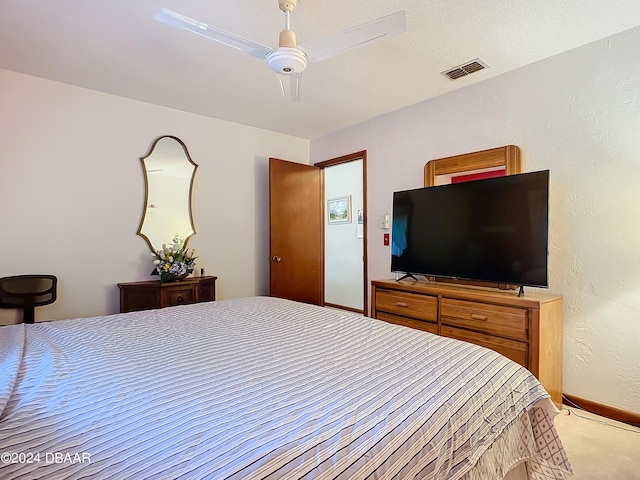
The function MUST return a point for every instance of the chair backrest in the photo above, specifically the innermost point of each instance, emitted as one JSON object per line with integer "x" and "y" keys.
{"x": 27, "y": 292}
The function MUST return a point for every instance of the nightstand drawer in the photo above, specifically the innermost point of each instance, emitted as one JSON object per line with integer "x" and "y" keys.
{"x": 499, "y": 320}
{"x": 426, "y": 326}
{"x": 423, "y": 307}
{"x": 141, "y": 299}
{"x": 181, "y": 295}
{"x": 512, "y": 349}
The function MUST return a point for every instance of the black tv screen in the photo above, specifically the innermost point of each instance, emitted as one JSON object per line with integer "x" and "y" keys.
{"x": 493, "y": 230}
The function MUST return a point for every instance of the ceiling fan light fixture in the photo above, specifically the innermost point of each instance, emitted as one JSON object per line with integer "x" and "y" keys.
{"x": 287, "y": 39}
{"x": 287, "y": 61}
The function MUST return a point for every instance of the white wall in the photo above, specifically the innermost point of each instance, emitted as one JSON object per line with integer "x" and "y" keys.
{"x": 343, "y": 250}
{"x": 72, "y": 192}
{"x": 577, "y": 114}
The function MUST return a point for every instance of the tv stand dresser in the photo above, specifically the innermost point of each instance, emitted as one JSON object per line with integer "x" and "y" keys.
{"x": 527, "y": 329}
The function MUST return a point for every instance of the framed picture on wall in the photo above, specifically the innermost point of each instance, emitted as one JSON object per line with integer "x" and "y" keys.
{"x": 339, "y": 209}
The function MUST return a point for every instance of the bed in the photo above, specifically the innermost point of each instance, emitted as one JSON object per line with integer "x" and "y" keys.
{"x": 265, "y": 388}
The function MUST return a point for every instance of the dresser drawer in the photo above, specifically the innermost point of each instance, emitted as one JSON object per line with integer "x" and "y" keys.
{"x": 423, "y": 307}
{"x": 499, "y": 320}
{"x": 512, "y": 349}
{"x": 430, "y": 327}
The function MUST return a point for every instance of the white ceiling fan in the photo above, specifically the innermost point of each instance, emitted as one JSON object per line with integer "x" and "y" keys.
{"x": 290, "y": 59}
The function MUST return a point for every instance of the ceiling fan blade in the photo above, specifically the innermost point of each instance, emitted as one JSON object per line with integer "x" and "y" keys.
{"x": 180, "y": 21}
{"x": 295, "y": 83}
{"x": 355, "y": 37}
{"x": 293, "y": 90}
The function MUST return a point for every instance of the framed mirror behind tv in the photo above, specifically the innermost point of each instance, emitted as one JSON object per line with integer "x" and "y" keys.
{"x": 507, "y": 159}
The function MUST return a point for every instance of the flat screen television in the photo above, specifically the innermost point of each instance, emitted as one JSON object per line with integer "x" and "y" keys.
{"x": 491, "y": 230}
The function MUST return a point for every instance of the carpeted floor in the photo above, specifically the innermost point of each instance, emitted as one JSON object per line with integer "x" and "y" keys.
{"x": 599, "y": 448}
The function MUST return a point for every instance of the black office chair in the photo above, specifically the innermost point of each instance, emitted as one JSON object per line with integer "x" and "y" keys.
{"x": 27, "y": 292}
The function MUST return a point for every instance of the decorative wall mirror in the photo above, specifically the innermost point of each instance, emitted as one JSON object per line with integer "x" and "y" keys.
{"x": 507, "y": 158}
{"x": 168, "y": 176}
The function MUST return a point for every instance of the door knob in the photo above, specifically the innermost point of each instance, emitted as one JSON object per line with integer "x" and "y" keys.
{"x": 276, "y": 258}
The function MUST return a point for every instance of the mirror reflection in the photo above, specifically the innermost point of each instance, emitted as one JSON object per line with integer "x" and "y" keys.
{"x": 168, "y": 173}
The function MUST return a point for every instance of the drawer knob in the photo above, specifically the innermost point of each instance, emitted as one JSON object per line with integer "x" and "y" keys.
{"x": 477, "y": 316}
{"x": 402, "y": 304}
{"x": 179, "y": 299}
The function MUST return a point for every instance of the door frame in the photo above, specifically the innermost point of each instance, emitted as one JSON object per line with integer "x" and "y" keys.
{"x": 351, "y": 157}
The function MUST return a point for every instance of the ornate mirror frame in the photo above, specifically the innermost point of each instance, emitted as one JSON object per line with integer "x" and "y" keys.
{"x": 171, "y": 154}
{"x": 509, "y": 157}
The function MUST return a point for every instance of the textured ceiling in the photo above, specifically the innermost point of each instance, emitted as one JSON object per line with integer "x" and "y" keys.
{"x": 117, "y": 47}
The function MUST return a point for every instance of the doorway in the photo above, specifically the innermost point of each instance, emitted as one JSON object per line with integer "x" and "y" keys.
{"x": 345, "y": 237}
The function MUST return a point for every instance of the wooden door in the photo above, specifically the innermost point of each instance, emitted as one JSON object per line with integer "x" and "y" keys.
{"x": 295, "y": 231}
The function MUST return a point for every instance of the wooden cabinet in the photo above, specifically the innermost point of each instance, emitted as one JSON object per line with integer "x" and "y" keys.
{"x": 526, "y": 329}
{"x": 152, "y": 294}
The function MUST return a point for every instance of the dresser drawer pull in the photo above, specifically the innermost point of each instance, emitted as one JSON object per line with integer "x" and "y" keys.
{"x": 402, "y": 304}
{"x": 477, "y": 316}
{"x": 179, "y": 299}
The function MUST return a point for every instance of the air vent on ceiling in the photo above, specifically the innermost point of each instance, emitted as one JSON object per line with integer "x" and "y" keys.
{"x": 466, "y": 69}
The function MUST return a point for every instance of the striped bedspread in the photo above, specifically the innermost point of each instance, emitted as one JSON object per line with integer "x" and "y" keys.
{"x": 254, "y": 388}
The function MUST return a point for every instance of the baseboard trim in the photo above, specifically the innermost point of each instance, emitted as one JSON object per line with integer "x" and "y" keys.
{"x": 342, "y": 307}
{"x": 602, "y": 410}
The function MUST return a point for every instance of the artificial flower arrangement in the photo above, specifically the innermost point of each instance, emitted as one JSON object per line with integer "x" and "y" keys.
{"x": 173, "y": 262}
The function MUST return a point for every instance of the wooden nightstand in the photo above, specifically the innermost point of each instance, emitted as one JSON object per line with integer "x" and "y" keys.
{"x": 152, "y": 294}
